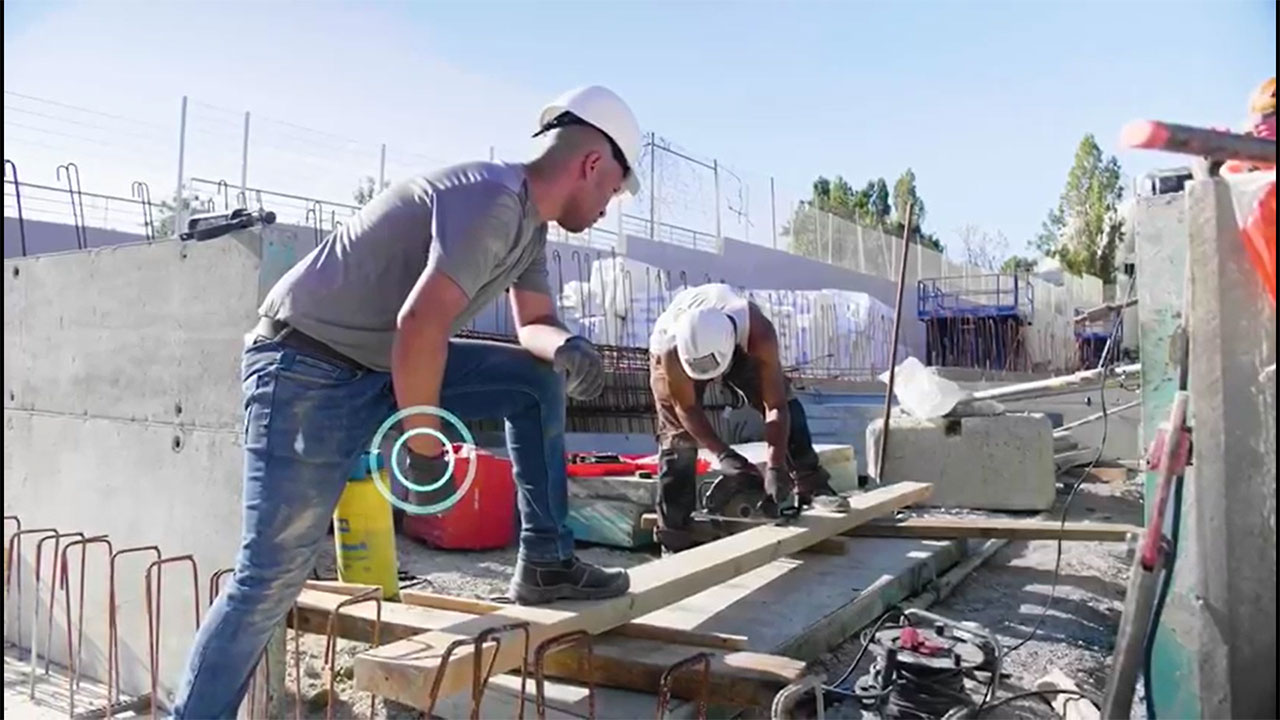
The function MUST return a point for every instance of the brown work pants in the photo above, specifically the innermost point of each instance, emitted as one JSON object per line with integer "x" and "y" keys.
{"x": 678, "y": 450}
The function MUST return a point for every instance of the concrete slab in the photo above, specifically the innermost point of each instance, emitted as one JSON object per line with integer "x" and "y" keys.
{"x": 805, "y": 605}
{"x": 983, "y": 463}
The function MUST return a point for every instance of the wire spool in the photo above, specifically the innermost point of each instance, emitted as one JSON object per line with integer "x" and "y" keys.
{"x": 919, "y": 673}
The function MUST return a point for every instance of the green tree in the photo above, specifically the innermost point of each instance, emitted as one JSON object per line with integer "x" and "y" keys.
{"x": 880, "y": 207}
{"x": 904, "y": 194}
{"x": 871, "y": 206}
{"x": 1085, "y": 227}
{"x": 1018, "y": 264}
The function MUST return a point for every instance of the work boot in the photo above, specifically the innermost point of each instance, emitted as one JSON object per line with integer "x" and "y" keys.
{"x": 537, "y": 583}
{"x": 673, "y": 540}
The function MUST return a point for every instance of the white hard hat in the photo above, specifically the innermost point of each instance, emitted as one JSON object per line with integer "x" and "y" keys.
{"x": 705, "y": 340}
{"x": 603, "y": 109}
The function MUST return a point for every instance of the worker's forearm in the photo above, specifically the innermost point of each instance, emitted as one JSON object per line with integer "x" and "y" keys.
{"x": 542, "y": 338}
{"x": 777, "y": 431}
{"x": 418, "y": 357}
{"x": 694, "y": 419}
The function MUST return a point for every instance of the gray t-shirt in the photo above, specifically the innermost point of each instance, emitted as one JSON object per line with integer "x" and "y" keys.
{"x": 475, "y": 222}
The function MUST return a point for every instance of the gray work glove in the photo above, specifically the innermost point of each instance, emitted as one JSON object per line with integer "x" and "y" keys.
{"x": 579, "y": 360}
{"x": 732, "y": 463}
{"x": 424, "y": 470}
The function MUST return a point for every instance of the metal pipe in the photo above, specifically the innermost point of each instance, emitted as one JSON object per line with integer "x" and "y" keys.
{"x": 773, "y": 213}
{"x": 180, "y": 210}
{"x": 17, "y": 196}
{"x": 11, "y": 563}
{"x": 153, "y": 613}
{"x": 244, "y": 157}
{"x": 113, "y": 649}
{"x": 784, "y": 702}
{"x": 1203, "y": 142}
{"x": 1062, "y": 384}
{"x": 75, "y": 653}
{"x": 702, "y": 659}
{"x": 35, "y": 607}
{"x": 653, "y": 187}
{"x": 373, "y": 595}
{"x": 893, "y": 346}
{"x": 539, "y": 668}
{"x": 1095, "y": 417}
{"x": 81, "y": 241}
{"x": 382, "y": 168}
{"x": 1104, "y": 310}
{"x": 715, "y": 176}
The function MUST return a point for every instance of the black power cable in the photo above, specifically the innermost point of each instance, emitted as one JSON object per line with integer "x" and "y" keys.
{"x": 1105, "y": 363}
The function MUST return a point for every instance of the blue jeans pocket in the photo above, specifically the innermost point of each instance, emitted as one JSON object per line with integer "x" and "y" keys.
{"x": 315, "y": 370}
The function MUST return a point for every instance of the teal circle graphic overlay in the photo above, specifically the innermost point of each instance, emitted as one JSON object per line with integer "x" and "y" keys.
{"x": 380, "y": 482}
{"x": 444, "y": 442}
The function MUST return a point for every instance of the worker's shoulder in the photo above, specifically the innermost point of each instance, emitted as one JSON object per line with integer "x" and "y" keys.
{"x": 476, "y": 184}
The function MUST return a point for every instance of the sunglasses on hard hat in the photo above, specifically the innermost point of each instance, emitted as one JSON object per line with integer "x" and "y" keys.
{"x": 566, "y": 119}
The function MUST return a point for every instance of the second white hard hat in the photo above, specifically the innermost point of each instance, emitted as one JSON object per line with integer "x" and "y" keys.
{"x": 603, "y": 109}
{"x": 705, "y": 341}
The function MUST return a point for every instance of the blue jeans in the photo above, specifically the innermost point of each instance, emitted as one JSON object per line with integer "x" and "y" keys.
{"x": 306, "y": 421}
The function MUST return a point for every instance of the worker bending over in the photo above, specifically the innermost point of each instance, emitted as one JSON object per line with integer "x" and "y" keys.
{"x": 710, "y": 332}
{"x": 364, "y": 325}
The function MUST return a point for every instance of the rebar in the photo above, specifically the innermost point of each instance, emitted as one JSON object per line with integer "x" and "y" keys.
{"x": 154, "y": 608}
{"x": 664, "y": 684}
{"x": 73, "y": 658}
{"x": 539, "y": 668}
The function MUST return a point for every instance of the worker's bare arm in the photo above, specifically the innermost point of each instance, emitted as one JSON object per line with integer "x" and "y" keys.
{"x": 537, "y": 326}
{"x": 762, "y": 345}
{"x": 688, "y": 404}
{"x": 421, "y": 348}
{"x": 467, "y": 241}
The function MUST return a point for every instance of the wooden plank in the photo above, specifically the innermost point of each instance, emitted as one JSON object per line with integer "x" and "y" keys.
{"x": 617, "y": 661}
{"x": 406, "y": 670}
{"x": 472, "y": 606}
{"x": 643, "y": 631}
{"x": 947, "y": 528}
{"x": 803, "y": 605}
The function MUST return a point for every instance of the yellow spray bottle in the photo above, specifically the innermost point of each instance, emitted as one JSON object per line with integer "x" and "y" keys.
{"x": 364, "y": 532}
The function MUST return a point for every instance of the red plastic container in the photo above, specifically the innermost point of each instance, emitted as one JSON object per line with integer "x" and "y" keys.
{"x": 485, "y": 517}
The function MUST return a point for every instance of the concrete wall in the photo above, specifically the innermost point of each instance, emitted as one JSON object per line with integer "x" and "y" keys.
{"x": 741, "y": 264}
{"x": 123, "y": 417}
{"x": 44, "y": 237}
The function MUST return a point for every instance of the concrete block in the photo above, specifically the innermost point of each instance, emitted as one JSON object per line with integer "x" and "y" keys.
{"x": 607, "y": 510}
{"x": 1003, "y": 462}
{"x": 839, "y": 460}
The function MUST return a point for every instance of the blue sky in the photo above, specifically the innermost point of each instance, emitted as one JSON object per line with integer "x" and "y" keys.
{"x": 986, "y": 101}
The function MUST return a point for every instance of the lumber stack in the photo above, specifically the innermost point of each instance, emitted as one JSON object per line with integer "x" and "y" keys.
{"x": 406, "y": 670}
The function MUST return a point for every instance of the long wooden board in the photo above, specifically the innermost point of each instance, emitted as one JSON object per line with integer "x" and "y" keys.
{"x": 947, "y": 528}
{"x": 737, "y": 677}
{"x": 405, "y": 671}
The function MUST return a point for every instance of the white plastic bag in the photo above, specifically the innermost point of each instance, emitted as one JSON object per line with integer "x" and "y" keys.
{"x": 921, "y": 392}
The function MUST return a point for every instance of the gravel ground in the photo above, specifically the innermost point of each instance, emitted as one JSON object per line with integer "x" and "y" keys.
{"x": 1008, "y": 593}
{"x": 463, "y": 574}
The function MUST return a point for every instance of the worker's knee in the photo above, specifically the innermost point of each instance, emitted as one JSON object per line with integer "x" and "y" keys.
{"x": 678, "y": 462}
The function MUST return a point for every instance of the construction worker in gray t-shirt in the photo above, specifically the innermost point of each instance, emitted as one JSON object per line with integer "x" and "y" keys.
{"x": 363, "y": 326}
